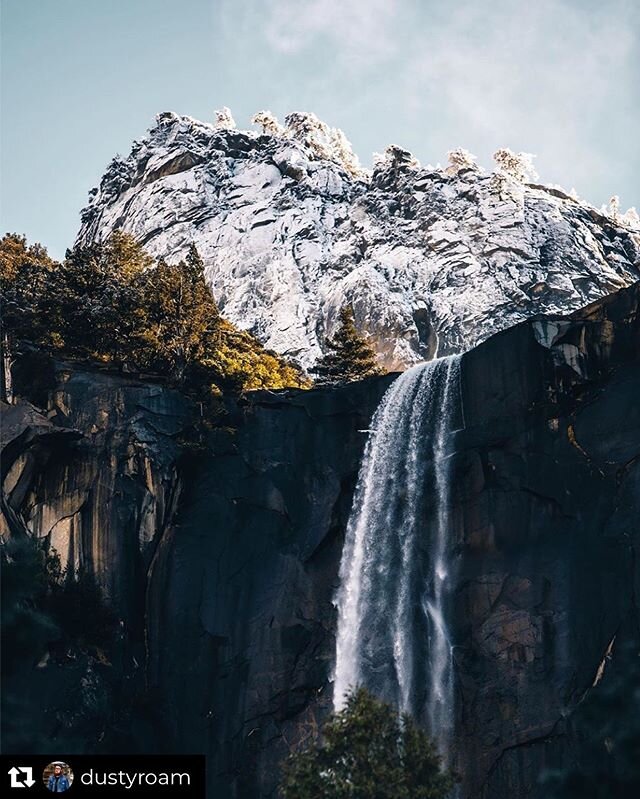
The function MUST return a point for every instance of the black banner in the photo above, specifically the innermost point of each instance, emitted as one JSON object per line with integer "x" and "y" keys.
{"x": 180, "y": 776}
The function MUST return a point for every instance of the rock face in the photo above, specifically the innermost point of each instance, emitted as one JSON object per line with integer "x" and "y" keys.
{"x": 548, "y": 494}
{"x": 291, "y": 229}
{"x": 104, "y": 495}
{"x": 220, "y": 559}
{"x": 223, "y": 559}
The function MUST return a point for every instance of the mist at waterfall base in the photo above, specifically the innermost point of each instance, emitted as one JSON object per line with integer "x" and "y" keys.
{"x": 397, "y": 566}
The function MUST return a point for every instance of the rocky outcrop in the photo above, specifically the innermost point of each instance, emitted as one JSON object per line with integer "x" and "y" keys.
{"x": 547, "y": 478}
{"x": 432, "y": 260}
{"x": 226, "y": 545}
{"x": 95, "y": 472}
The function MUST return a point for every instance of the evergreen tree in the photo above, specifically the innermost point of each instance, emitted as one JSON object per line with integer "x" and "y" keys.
{"x": 99, "y": 299}
{"x": 182, "y": 319}
{"x": 25, "y": 287}
{"x": 350, "y": 356}
{"x": 113, "y": 302}
{"x": 24, "y": 275}
{"x": 23, "y": 584}
{"x": 368, "y": 752}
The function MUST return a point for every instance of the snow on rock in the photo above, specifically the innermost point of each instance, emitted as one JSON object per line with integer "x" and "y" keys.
{"x": 290, "y": 228}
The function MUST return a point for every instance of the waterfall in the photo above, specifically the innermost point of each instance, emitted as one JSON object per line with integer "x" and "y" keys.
{"x": 395, "y": 573}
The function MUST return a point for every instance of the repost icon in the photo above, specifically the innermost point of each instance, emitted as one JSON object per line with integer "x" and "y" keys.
{"x": 21, "y": 777}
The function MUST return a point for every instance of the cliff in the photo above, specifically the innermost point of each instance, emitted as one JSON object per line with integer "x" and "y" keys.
{"x": 219, "y": 548}
{"x": 548, "y": 494}
{"x": 290, "y": 229}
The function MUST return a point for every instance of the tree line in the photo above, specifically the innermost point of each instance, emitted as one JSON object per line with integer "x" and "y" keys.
{"x": 112, "y": 302}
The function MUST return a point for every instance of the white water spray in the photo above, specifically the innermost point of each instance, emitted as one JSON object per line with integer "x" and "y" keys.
{"x": 395, "y": 573}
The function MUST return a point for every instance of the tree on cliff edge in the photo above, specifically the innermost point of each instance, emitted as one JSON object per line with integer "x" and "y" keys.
{"x": 25, "y": 274}
{"x": 113, "y": 303}
{"x": 368, "y": 752}
{"x": 349, "y": 356}
{"x": 181, "y": 316}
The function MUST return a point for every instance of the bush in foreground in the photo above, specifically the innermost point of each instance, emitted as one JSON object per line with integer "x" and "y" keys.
{"x": 368, "y": 752}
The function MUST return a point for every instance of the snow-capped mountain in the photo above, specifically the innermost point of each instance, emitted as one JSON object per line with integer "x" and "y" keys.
{"x": 291, "y": 228}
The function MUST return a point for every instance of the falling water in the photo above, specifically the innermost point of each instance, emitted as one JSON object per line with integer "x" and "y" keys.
{"x": 395, "y": 574}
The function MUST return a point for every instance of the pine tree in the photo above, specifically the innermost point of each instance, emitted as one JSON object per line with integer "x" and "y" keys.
{"x": 113, "y": 302}
{"x": 24, "y": 274}
{"x": 518, "y": 166}
{"x": 99, "y": 297}
{"x": 25, "y": 288}
{"x": 350, "y": 356}
{"x": 368, "y": 752}
{"x": 181, "y": 315}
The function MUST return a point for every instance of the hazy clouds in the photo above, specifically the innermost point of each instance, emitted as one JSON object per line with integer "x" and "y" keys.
{"x": 82, "y": 79}
{"x": 559, "y": 78}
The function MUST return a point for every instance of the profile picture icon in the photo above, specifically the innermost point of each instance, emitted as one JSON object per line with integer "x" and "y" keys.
{"x": 57, "y": 776}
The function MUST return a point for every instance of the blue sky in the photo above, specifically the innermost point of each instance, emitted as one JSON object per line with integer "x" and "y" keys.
{"x": 82, "y": 78}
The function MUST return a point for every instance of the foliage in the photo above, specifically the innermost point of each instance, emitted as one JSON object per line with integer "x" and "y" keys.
{"x": 268, "y": 122}
{"x": 460, "y": 159}
{"x": 518, "y": 166}
{"x": 97, "y": 297}
{"x": 631, "y": 219}
{"x": 25, "y": 273}
{"x": 112, "y": 302}
{"x": 224, "y": 119}
{"x": 607, "y": 728}
{"x": 614, "y": 207}
{"x": 395, "y": 157}
{"x": 368, "y": 752}
{"x": 323, "y": 141}
{"x": 247, "y": 367}
{"x": 43, "y": 603}
{"x": 350, "y": 356}
{"x": 181, "y": 317}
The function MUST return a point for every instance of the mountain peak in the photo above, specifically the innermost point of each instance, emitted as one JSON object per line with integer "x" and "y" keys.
{"x": 291, "y": 228}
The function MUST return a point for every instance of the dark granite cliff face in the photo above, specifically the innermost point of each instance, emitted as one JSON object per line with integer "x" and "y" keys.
{"x": 218, "y": 550}
{"x": 240, "y": 615}
{"x": 221, "y": 559}
{"x": 547, "y": 481}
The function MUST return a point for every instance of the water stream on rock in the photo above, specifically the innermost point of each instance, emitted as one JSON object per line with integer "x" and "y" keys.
{"x": 395, "y": 573}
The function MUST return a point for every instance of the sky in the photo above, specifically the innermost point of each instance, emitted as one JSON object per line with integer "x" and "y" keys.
{"x": 81, "y": 79}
